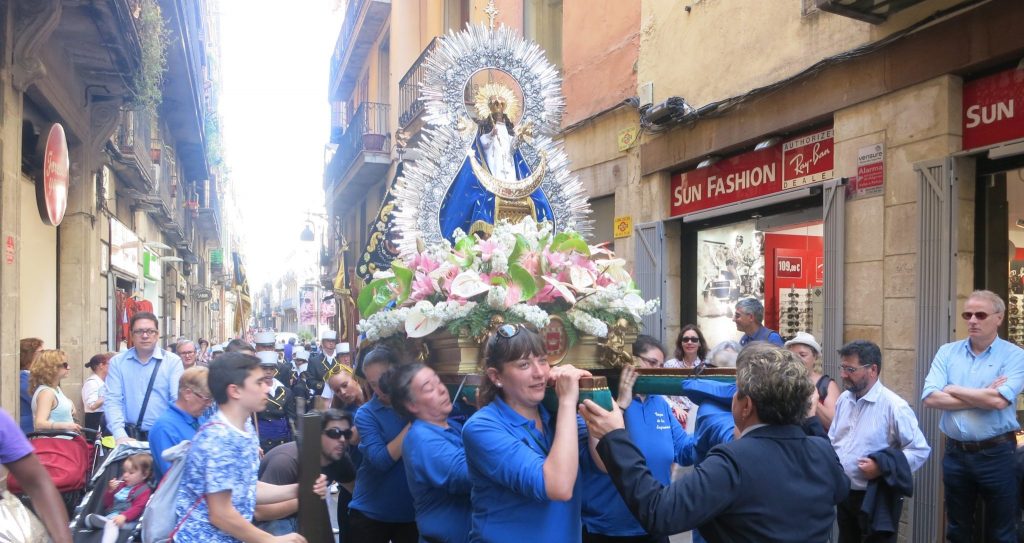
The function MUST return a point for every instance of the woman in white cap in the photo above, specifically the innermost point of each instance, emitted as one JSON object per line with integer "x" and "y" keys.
{"x": 809, "y": 351}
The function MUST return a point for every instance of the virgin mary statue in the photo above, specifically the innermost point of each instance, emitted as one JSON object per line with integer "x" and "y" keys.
{"x": 495, "y": 182}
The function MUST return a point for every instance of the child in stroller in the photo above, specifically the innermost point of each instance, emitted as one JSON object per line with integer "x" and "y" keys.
{"x": 81, "y": 530}
{"x": 125, "y": 498}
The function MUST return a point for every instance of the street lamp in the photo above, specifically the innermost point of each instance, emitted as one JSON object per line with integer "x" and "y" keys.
{"x": 307, "y": 233}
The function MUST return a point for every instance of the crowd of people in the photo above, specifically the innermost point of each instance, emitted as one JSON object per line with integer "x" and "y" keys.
{"x": 782, "y": 454}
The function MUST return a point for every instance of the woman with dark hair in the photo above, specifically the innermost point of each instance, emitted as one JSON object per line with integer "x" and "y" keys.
{"x": 381, "y": 509}
{"x": 29, "y": 347}
{"x": 435, "y": 460}
{"x": 93, "y": 392}
{"x": 661, "y": 440}
{"x": 523, "y": 461}
{"x": 691, "y": 353}
{"x": 691, "y": 348}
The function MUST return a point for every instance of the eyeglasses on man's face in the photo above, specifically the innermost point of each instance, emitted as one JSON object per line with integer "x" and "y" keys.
{"x": 980, "y": 315}
{"x": 146, "y": 332}
{"x": 206, "y": 399}
{"x": 853, "y": 369}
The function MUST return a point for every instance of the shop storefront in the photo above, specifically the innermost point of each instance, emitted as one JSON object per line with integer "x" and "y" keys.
{"x": 993, "y": 128}
{"x": 754, "y": 226}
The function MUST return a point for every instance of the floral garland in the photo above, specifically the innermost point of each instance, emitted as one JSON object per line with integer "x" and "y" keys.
{"x": 522, "y": 273}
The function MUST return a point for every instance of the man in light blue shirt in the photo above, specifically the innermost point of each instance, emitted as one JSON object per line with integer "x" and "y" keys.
{"x": 748, "y": 317}
{"x": 129, "y": 376}
{"x": 975, "y": 382}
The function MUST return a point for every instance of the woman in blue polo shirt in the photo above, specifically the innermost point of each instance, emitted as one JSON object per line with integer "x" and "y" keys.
{"x": 435, "y": 462}
{"x": 523, "y": 461}
{"x": 660, "y": 438}
{"x": 381, "y": 507}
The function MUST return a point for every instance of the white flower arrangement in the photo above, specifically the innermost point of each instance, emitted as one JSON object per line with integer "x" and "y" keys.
{"x": 522, "y": 272}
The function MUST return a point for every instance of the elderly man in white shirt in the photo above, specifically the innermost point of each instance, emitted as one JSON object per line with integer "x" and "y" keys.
{"x": 869, "y": 419}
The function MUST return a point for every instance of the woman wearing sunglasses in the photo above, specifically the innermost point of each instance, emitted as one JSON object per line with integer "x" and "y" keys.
{"x": 51, "y": 409}
{"x": 660, "y": 438}
{"x": 691, "y": 353}
{"x": 523, "y": 461}
{"x": 381, "y": 508}
{"x": 435, "y": 461}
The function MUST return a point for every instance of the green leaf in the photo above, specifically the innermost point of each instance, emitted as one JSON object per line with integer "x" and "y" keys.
{"x": 375, "y": 296}
{"x": 499, "y": 280}
{"x": 524, "y": 280}
{"x": 403, "y": 276}
{"x": 559, "y": 240}
{"x": 521, "y": 246}
{"x": 577, "y": 245}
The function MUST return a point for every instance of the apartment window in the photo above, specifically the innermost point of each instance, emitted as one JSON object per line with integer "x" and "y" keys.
{"x": 456, "y": 14}
{"x": 542, "y": 23}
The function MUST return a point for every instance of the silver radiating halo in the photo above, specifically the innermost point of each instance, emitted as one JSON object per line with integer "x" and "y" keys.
{"x": 447, "y": 71}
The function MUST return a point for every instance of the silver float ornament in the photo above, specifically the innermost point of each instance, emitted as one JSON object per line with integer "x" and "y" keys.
{"x": 450, "y": 131}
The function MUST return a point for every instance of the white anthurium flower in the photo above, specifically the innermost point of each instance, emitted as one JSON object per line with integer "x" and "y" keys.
{"x": 562, "y": 289}
{"x": 383, "y": 274}
{"x": 421, "y": 320}
{"x": 468, "y": 284}
{"x": 615, "y": 268}
{"x": 632, "y": 302}
{"x": 581, "y": 278}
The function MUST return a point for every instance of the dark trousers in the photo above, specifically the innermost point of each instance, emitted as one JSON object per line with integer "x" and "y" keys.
{"x": 853, "y": 525}
{"x": 985, "y": 474}
{"x": 363, "y": 529}
{"x": 599, "y": 538}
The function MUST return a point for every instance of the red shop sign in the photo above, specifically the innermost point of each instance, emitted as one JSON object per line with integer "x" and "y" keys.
{"x": 796, "y": 162}
{"x": 994, "y": 109}
{"x": 56, "y": 165}
{"x": 789, "y": 267}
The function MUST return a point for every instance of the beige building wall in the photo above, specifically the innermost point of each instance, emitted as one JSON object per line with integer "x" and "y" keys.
{"x": 715, "y": 49}
{"x": 38, "y": 277}
{"x": 916, "y": 124}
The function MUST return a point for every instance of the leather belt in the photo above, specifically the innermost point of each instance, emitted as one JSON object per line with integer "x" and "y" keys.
{"x": 975, "y": 446}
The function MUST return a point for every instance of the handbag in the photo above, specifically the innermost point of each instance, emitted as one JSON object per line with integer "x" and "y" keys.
{"x": 17, "y": 523}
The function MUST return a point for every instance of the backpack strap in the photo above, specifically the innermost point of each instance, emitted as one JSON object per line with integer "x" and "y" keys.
{"x": 184, "y": 517}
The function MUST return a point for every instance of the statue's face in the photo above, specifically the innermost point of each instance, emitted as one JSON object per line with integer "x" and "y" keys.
{"x": 496, "y": 104}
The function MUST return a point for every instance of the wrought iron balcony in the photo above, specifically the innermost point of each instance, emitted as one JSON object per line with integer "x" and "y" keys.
{"x": 409, "y": 88}
{"x": 364, "y": 153}
{"x": 364, "y": 21}
{"x": 132, "y": 149}
{"x": 871, "y": 11}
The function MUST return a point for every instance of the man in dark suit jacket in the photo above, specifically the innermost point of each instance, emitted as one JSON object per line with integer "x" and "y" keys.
{"x": 773, "y": 483}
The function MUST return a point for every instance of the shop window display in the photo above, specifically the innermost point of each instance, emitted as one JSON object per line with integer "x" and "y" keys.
{"x": 782, "y": 267}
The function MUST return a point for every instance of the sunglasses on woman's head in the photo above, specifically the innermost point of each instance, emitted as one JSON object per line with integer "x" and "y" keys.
{"x": 508, "y": 331}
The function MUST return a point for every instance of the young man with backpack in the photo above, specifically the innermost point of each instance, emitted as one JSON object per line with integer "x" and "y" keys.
{"x": 219, "y": 489}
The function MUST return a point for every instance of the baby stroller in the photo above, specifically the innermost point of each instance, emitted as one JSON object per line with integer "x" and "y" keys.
{"x": 69, "y": 459}
{"x": 93, "y": 500}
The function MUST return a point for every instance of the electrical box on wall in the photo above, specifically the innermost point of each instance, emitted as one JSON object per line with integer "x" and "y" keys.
{"x": 646, "y": 93}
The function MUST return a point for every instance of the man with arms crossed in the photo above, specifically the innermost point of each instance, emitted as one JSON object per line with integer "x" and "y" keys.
{"x": 975, "y": 382}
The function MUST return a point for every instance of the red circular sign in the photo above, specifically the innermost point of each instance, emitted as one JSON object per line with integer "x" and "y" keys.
{"x": 56, "y": 166}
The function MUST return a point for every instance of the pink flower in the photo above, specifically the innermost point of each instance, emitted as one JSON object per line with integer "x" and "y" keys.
{"x": 556, "y": 261}
{"x": 423, "y": 287}
{"x": 530, "y": 261}
{"x": 423, "y": 263}
{"x": 487, "y": 248}
{"x": 513, "y": 296}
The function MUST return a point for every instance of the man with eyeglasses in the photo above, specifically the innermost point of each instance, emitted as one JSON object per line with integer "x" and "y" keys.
{"x": 281, "y": 467}
{"x": 141, "y": 383}
{"x": 975, "y": 382}
{"x": 186, "y": 350}
{"x": 181, "y": 420}
{"x": 878, "y": 442}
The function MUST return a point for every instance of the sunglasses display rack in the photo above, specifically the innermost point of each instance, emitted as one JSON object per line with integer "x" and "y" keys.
{"x": 1015, "y": 318}
{"x": 796, "y": 311}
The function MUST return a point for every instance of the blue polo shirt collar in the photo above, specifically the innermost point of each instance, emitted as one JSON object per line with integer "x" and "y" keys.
{"x": 185, "y": 416}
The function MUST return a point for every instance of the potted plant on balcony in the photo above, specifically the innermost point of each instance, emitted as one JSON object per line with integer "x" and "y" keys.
{"x": 374, "y": 142}
{"x": 453, "y": 297}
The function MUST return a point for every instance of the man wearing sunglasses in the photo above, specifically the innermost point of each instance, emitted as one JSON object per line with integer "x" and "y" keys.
{"x": 281, "y": 467}
{"x": 975, "y": 382}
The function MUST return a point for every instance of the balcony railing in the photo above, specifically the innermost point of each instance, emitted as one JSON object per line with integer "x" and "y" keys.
{"x": 133, "y": 141}
{"x": 368, "y": 131}
{"x": 409, "y": 88}
{"x": 345, "y": 36}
